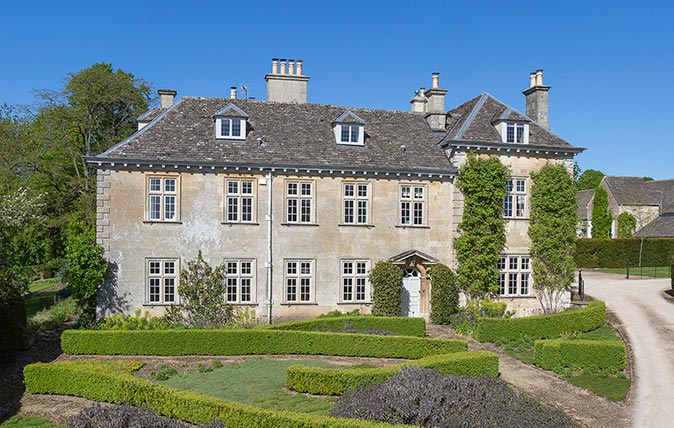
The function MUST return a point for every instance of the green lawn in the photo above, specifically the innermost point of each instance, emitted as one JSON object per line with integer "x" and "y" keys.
{"x": 19, "y": 422}
{"x": 45, "y": 310}
{"x": 636, "y": 272}
{"x": 255, "y": 381}
{"x": 613, "y": 387}
{"x": 43, "y": 284}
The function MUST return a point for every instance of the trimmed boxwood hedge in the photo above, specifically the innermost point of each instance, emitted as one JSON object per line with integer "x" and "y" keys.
{"x": 615, "y": 253}
{"x": 501, "y": 330}
{"x": 322, "y": 381}
{"x": 113, "y": 383}
{"x": 556, "y": 355}
{"x": 252, "y": 342}
{"x": 396, "y": 325}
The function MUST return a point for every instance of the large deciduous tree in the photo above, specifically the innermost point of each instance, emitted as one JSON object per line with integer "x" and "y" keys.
{"x": 589, "y": 179}
{"x": 553, "y": 234}
{"x": 483, "y": 183}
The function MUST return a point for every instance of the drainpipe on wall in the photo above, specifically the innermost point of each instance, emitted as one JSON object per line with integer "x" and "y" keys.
{"x": 269, "y": 264}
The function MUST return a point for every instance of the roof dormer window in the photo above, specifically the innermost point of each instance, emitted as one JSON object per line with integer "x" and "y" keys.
{"x": 515, "y": 132}
{"x": 230, "y": 123}
{"x": 349, "y": 129}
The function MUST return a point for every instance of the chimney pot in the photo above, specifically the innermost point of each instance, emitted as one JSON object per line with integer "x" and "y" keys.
{"x": 537, "y": 98}
{"x": 291, "y": 66}
{"x": 532, "y": 79}
{"x": 274, "y": 66}
{"x": 166, "y": 97}
{"x": 422, "y": 92}
{"x": 539, "y": 77}
{"x": 232, "y": 93}
{"x": 299, "y": 67}
{"x": 283, "y": 66}
{"x": 436, "y": 80}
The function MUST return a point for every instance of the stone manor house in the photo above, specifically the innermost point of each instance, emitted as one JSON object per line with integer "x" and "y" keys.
{"x": 300, "y": 200}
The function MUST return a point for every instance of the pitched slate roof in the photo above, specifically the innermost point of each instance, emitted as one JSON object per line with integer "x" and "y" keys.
{"x": 632, "y": 190}
{"x": 583, "y": 198}
{"x": 661, "y": 227}
{"x": 291, "y": 134}
{"x": 667, "y": 189}
{"x": 474, "y": 121}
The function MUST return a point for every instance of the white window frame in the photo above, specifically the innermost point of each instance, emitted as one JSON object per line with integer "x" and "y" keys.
{"x": 354, "y": 281}
{"x": 299, "y": 280}
{"x": 356, "y": 205}
{"x": 297, "y": 201}
{"x": 162, "y": 282}
{"x": 515, "y": 279}
{"x": 162, "y": 196}
{"x": 236, "y": 276}
{"x": 514, "y": 126}
{"x": 236, "y": 198}
{"x": 349, "y": 128}
{"x": 230, "y": 135}
{"x": 412, "y": 204}
{"x": 515, "y": 199}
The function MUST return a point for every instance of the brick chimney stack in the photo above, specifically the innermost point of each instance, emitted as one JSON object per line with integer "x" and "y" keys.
{"x": 286, "y": 87}
{"x": 537, "y": 99}
{"x": 166, "y": 97}
{"x": 435, "y": 107}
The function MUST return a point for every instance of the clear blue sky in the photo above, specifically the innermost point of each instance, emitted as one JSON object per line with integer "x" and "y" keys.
{"x": 610, "y": 63}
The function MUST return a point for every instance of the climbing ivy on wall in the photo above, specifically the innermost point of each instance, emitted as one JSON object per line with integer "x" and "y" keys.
{"x": 478, "y": 248}
{"x": 553, "y": 234}
{"x": 601, "y": 218}
{"x": 386, "y": 279}
{"x": 626, "y": 225}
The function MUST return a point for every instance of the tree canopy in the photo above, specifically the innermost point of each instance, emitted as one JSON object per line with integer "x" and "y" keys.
{"x": 589, "y": 179}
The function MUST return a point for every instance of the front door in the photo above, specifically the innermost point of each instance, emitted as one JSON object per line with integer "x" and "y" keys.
{"x": 411, "y": 293}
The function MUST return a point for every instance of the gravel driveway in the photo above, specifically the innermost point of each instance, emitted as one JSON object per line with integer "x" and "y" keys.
{"x": 647, "y": 315}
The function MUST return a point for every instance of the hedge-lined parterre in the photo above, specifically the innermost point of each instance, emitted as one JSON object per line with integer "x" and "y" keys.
{"x": 252, "y": 342}
{"x": 396, "y": 325}
{"x": 323, "y": 381}
{"x": 113, "y": 383}
{"x": 501, "y": 330}
{"x": 556, "y": 355}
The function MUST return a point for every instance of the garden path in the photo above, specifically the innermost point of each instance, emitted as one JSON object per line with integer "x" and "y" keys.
{"x": 647, "y": 314}
{"x": 588, "y": 409}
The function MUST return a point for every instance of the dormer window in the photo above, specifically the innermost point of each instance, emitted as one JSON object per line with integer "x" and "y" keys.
{"x": 349, "y": 129}
{"x": 230, "y": 123}
{"x": 515, "y": 132}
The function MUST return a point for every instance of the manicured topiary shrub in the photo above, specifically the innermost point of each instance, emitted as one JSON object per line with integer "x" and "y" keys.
{"x": 616, "y": 253}
{"x": 386, "y": 279}
{"x": 626, "y": 225}
{"x": 556, "y": 355}
{"x": 12, "y": 326}
{"x": 251, "y": 342}
{"x": 357, "y": 324}
{"x": 322, "y": 381}
{"x": 444, "y": 294}
{"x": 541, "y": 326}
{"x": 424, "y": 397}
{"x": 126, "y": 416}
{"x": 112, "y": 383}
{"x": 601, "y": 217}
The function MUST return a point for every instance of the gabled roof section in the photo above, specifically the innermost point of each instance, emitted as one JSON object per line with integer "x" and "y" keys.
{"x": 632, "y": 191}
{"x": 474, "y": 120}
{"x": 230, "y": 110}
{"x": 149, "y": 115}
{"x": 667, "y": 189}
{"x": 661, "y": 227}
{"x": 290, "y": 136}
{"x": 349, "y": 117}
{"x": 406, "y": 256}
{"x": 583, "y": 199}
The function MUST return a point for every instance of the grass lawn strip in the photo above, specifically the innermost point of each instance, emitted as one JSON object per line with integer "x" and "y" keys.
{"x": 636, "y": 272}
{"x": 32, "y": 422}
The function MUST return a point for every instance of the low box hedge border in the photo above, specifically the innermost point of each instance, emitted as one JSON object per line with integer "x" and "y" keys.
{"x": 557, "y": 355}
{"x": 251, "y": 342}
{"x": 501, "y": 330}
{"x": 111, "y": 384}
{"x": 323, "y": 381}
{"x": 396, "y": 325}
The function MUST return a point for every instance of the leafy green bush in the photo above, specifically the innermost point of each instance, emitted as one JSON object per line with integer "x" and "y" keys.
{"x": 12, "y": 326}
{"x": 362, "y": 323}
{"x": 616, "y": 253}
{"x": 601, "y": 217}
{"x": 557, "y": 355}
{"x": 322, "y": 381}
{"x": 626, "y": 225}
{"x": 444, "y": 294}
{"x": 133, "y": 322}
{"x": 541, "y": 326}
{"x": 424, "y": 397}
{"x": 251, "y": 342}
{"x": 492, "y": 309}
{"x": 112, "y": 383}
{"x": 338, "y": 313}
{"x": 386, "y": 279}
